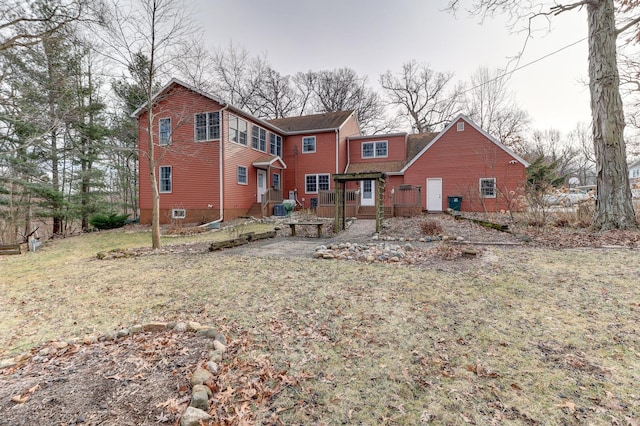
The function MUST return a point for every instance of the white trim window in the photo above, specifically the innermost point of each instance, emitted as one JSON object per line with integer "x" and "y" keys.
{"x": 379, "y": 149}
{"x": 259, "y": 138}
{"x": 488, "y": 188}
{"x": 275, "y": 180}
{"x": 165, "y": 180}
{"x": 164, "y": 131}
{"x": 207, "y": 126}
{"x": 237, "y": 130}
{"x": 275, "y": 145}
{"x": 242, "y": 175}
{"x": 178, "y": 213}
{"x": 316, "y": 183}
{"x": 460, "y": 126}
{"x": 309, "y": 144}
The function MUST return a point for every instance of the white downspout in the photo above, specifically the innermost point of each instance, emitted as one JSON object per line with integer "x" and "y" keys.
{"x": 220, "y": 166}
{"x": 337, "y": 150}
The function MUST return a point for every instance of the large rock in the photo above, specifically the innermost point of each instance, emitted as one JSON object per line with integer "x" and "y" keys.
{"x": 200, "y": 376}
{"x": 192, "y": 417}
{"x": 199, "y": 398}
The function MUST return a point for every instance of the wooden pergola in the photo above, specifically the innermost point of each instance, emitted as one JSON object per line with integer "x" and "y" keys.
{"x": 340, "y": 181}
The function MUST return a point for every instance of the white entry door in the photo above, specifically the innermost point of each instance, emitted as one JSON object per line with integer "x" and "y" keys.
{"x": 367, "y": 193}
{"x": 262, "y": 184}
{"x": 434, "y": 194}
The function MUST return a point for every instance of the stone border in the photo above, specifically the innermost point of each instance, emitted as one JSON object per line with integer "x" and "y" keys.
{"x": 198, "y": 408}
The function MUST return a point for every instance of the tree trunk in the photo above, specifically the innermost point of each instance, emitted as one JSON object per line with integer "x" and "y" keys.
{"x": 155, "y": 193}
{"x": 614, "y": 208}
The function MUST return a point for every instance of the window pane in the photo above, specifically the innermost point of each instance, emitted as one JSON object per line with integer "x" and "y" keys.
{"x": 309, "y": 144}
{"x": 367, "y": 150}
{"x": 254, "y": 137}
{"x": 311, "y": 185}
{"x": 165, "y": 131}
{"x": 242, "y": 175}
{"x": 201, "y": 127}
{"x": 381, "y": 149}
{"x": 276, "y": 181}
{"x": 214, "y": 125}
{"x": 263, "y": 140}
{"x": 323, "y": 182}
{"x": 165, "y": 179}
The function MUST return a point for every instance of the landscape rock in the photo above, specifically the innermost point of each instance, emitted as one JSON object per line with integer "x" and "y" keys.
{"x": 212, "y": 366}
{"x": 204, "y": 388}
{"x": 180, "y": 327}
{"x": 193, "y": 417}
{"x": 199, "y": 398}
{"x": 200, "y": 376}
{"x": 155, "y": 326}
{"x": 219, "y": 346}
{"x": 215, "y": 356}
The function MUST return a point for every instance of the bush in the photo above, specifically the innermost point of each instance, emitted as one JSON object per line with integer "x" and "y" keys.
{"x": 108, "y": 221}
{"x": 431, "y": 228}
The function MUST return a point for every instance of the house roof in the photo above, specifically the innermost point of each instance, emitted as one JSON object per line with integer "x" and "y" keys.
{"x": 475, "y": 126}
{"x": 634, "y": 164}
{"x": 313, "y": 122}
{"x": 166, "y": 87}
{"x": 416, "y": 142}
{"x": 269, "y": 160}
{"x": 378, "y": 166}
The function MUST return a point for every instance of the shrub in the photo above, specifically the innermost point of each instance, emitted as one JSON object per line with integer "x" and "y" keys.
{"x": 108, "y": 221}
{"x": 431, "y": 228}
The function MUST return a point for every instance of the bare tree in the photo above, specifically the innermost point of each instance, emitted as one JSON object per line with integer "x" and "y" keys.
{"x": 158, "y": 30}
{"x": 342, "y": 90}
{"x": 489, "y": 103}
{"x": 425, "y": 97}
{"x": 22, "y": 25}
{"x": 275, "y": 96}
{"x": 614, "y": 208}
{"x": 237, "y": 75}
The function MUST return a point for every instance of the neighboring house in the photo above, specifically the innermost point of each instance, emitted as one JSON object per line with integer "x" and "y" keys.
{"x": 217, "y": 162}
{"x": 634, "y": 172}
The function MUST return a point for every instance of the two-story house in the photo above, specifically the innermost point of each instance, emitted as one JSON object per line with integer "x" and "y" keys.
{"x": 217, "y": 162}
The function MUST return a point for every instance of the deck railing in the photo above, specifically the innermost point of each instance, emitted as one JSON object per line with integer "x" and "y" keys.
{"x": 328, "y": 198}
{"x": 271, "y": 196}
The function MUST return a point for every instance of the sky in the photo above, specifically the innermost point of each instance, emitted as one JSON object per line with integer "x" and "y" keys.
{"x": 373, "y": 36}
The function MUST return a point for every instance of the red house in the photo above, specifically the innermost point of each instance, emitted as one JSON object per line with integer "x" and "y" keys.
{"x": 216, "y": 162}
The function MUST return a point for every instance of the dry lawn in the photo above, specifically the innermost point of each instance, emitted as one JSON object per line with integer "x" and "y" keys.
{"x": 518, "y": 336}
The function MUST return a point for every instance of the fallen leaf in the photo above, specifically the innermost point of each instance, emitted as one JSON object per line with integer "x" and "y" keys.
{"x": 515, "y": 386}
{"x": 20, "y": 399}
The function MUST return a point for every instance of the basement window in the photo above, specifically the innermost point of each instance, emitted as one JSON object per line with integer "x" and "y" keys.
{"x": 178, "y": 213}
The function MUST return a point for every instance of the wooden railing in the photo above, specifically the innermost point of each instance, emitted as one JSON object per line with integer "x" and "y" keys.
{"x": 328, "y": 198}
{"x": 271, "y": 196}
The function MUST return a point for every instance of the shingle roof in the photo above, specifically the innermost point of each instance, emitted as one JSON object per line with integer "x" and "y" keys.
{"x": 378, "y": 166}
{"x": 327, "y": 120}
{"x": 416, "y": 142}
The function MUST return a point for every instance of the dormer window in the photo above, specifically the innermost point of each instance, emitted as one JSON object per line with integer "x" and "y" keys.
{"x": 374, "y": 149}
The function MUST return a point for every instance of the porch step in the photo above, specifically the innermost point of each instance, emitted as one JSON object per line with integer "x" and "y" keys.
{"x": 369, "y": 212}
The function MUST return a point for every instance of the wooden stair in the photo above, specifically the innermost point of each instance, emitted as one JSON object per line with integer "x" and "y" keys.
{"x": 369, "y": 212}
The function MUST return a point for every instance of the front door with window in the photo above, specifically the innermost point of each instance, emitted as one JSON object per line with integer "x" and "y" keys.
{"x": 262, "y": 184}
{"x": 367, "y": 191}
{"x": 434, "y": 194}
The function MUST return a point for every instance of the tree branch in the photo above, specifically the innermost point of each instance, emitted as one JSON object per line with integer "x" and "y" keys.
{"x": 627, "y": 26}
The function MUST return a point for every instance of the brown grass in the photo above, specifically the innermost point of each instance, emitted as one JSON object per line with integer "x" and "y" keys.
{"x": 526, "y": 336}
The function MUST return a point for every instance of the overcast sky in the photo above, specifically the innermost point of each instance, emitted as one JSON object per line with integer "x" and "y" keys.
{"x": 373, "y": 36}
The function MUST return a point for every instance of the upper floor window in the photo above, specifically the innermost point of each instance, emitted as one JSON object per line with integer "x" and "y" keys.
{"x": 275, "y": 145}
{"x": 165, "y": 179}
{"x": 460, "y": 126}
{"x": 374, "y": 149}
{"x": 259, "y": 138}
{"x": 309, "y": 144}
{"x": 207, "y": 126}
{"x": 488, "y": 187}
{"x": 165, "y": 131}
{"x": 237, "y": 130}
